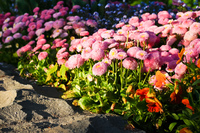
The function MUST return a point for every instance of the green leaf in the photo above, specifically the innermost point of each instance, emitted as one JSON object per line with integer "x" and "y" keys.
{"x": 142, "y": 105}
{"x": 63, "y": 71}
{"x": 175, "y": 116}
{"x": 85, "y": 103}
{"x": 52, "y": 70}
{"x": 187, "y": 122}
{"x": 172, "y": 125}
{"x": 196, "y": 82}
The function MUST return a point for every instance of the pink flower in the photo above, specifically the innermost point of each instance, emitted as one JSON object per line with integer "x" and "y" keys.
{"x": 86, "y": 53}
{"x": 141, "y": 54}
{"x": 195, "y": 27}
{"x": 190, "y": 35}
{"x": 46, "y": 46}
{"x": 36, "y": 9}
{"x": 113, "y": 53}
{"x": 107, "y": 34}
{"x": 171, "y": 39}
{"x": 152, "y": 61}
{"x": 121, "y": 38}
{"x": 179, "y": 29}
{"x": 99, "y": 68}
{"x": 134, "y": 21}
{"x": 84, "y": 33}
{"x": 180, "y": 69}
{"x": 56, "y": 33}
{"x": 97, "y": 54}
{"x": 42, "y": 55}
{"x": 121, "y": 55}
{"x": 61, "y": 61}
{"x": 58, "y": 24}
{"x": 91, "y": 23}
{"x": 99, "y": 44}
{"x": 40, "y": 31}
{"x": 120, "y": 25}
{"x": 165, "y": 48}
{"x": 164, "y": 14}
{"x": 129, "y": 63}
{"x": 74, "y": 61}
{"x": 41, "y": 41}
{"x": 48, "y": 25}
{"x": 132, "y": 51}
{"x": 143, "y": 37}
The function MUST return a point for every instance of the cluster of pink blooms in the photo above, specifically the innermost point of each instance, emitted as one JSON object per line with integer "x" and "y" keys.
{"x": 54, "y": 23}
{"x": 139, "y": 40}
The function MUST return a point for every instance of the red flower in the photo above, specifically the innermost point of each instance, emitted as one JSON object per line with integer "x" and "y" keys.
{"x": 154, "y": 105}
{"x": 176, "y": 95}
{"x": 142, "y": 92}
{"x": 187, "y": 103}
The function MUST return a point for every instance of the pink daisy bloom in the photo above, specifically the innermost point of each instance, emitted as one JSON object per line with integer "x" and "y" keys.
{"x": 58, "y": 24}
{"x": 132, "y": 51}
{"x": 141, "y": 54}
{"x": 130, "y": 63}
{"x": 195, "y": 27}
{"x": 171, "y": 39}
{"x": 180, "y": 69}
{"x": 107, "y": 61}
{"x": 56, "y": 33}
{"x": 107, "y": 34}
{"x": 74, "y": 61}
{"x": 120, "y": 25}
{"x": 121, "y": 55}
{"x": 113, "y": 53}
{"x": 190, "y": 36}
{"x": 99, "y": 44}
{"x": 42, "y": 55}
{"x": 86, "y": 53}
{"x": 84, "y": 33}
{"x": 179, "y": 29}
{"x": 97, "y": 54}
{"x": 46, "y": 46}
{"x": 40, "y": 31}
{"x": 112, "y": 45}
{"x": 8, "y": 39}
{"x": 99, "y": 68}
{"x": 165, "y": 48}
{"x": 143, "y": 37}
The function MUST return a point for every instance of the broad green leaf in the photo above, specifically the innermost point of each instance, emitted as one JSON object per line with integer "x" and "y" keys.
{"x": 63, "y": 71}
{"x": 69, "y": 94}
{"x": 196, "y": 82}
{"x": 187, "y": 122}
{"x": 85, "y": 103}
{"x": 175, "y": 116}
{"x": 172, "y": 125}
{"x": 52, "y": 70}
{"x": 48, "y": 78}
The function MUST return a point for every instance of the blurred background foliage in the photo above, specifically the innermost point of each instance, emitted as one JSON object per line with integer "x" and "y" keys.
{"x": 18, "y": 7}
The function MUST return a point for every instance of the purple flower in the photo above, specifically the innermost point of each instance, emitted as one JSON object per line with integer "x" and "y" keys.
{"x": 8, "y": 39}
{"x": 17, "y": 35}
{"x": 40, "y": 31}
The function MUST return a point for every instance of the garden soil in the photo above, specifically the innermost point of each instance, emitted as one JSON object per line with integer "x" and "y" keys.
{"x": 26, "y": 107}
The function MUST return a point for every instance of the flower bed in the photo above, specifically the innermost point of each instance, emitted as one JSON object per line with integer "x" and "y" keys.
{"x": 146, "y": 68}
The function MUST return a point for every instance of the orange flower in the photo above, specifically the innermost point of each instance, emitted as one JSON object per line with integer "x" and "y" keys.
{"x": 198, "y": 63}
{"x": 154, "y": 105}
{"x": 187, "y": 103}
{"x": 180, "y": 55}
{"x": 142, "y": 92}
{"x": 176, "y": 95}
{"x": 185, "y": 130}
{"x": 160, "y": 79}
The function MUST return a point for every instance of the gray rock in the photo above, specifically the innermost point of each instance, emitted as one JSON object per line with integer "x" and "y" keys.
{"x": 7, "y": 97}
